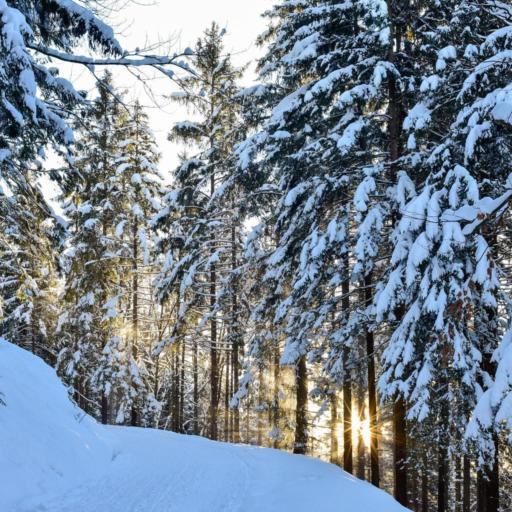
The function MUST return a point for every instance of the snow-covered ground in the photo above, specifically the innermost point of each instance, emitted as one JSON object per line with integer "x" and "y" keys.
{"x": 53, "y": 458}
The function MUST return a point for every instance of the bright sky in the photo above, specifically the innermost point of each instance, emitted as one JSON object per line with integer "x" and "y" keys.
{"x": 183, "y": 22}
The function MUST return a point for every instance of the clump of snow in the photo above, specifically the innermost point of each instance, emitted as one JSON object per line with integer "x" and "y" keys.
{"x": 55, "y": 458}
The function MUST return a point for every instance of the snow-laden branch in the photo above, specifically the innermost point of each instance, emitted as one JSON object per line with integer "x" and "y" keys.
{"x": 479, "y": 213}
{"x": 130, "y": 60}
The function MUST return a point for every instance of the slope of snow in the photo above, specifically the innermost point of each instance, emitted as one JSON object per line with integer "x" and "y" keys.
{"x": 56, "y": 459}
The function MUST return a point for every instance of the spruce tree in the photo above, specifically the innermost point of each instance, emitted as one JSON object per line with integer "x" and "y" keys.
{"x": 201, "y": 239}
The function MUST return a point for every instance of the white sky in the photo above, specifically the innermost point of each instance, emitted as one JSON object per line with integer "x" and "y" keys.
{"x": 183, "y": 22}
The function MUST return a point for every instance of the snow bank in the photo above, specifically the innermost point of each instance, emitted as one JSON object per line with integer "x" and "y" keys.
{"x": 56, "y": 459}
{"x": 46, "y": 443}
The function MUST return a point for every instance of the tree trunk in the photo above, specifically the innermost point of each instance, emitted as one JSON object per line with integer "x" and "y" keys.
{"x": 400, "y": 451}
{"x": 135, "y": 307}
{"x": 441, "y": 477}
{"x": 361, "y": 451}
{"x": 181, "y": 425}
{"x": 492, "y": 482}
{"x": 466, "y": 485}
{"x": 275, "y": 402}
{"x": 348, "y": 464}
{"x": 195, "y": 391}
{"x": 372, "y": 392}
{"x": 458, "y": 484}
{"x": 236, "y": 341}
{"x": 301, "y": 420}
{"x": 226, "y": 396}
{"x": 175, "y": 391}
{"x": 334, "y": 452}
{"x": 424, "y": 485}
{"x": 214, "y": 369}
{"x": 104, "y": 408}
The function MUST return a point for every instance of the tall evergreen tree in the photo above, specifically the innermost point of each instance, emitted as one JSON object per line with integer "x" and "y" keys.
{"x": 202, "y": 237}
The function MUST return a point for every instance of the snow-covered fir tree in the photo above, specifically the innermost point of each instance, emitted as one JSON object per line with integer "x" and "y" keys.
{"x": 199, "y": 225}
{"x": 35, "y": 99}
{"x": 444, "y": 272}
{"x": 338, "y": 82}
{"x": 28, "y": 272}
{"x": 116, "y": 194}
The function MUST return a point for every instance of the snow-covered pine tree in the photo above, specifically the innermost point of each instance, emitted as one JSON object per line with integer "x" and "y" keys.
{"x": 35, "y": 99}
{"x": 28, "y": 272}
{"x": 114, "y": 194}
{"x": 90, "y": 359}
{"x": 34, "y": 110}
{"x": 335, "y": 73}
{"x": 200, "y": 234}
{"x": 444, "y": 272}
{"x": 135, "y": 200}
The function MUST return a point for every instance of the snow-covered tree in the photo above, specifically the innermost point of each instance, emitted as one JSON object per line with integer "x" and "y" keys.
{"x": 199, "y": 224}
{"x": 444, "y": 272}
{"x": 336, "y": 76}
{"x": 115, "y": 195}
{"x": 136, "y": 200}
{"x": 28, "y": 270}
{"x": 35, "y": 99}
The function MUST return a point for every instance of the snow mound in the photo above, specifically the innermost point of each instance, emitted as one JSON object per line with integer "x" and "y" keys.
{"x": 46, "y": 443}
{"x": 54, "y": 458}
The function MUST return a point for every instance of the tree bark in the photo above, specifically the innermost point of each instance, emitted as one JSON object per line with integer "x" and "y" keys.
{"x": 466, "y": 484}
{"x": 195, "y": 391}
{"x": 214, "y": 376}
{"x": 301, "y": 425}
{"x": 458, "y": 484}
{"x": 236, "y": 340}
{"x": 400, "y": 451}
{"x": 135, "y": 308}
{"x": 348, "y": 463}
{"x": 226, "y": 396}
{"x": 372, "y": 391}
{"x": 424, "y": 487}
{"x": 275, "y": 405}
{"x": 441, "y": 477}
{"x": 334, "y": 451}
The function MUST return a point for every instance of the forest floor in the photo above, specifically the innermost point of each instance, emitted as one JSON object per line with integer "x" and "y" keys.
{"x": 53, "y": 458}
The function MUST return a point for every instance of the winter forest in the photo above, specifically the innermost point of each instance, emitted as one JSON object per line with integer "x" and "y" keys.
{"x": 321, "y": 267}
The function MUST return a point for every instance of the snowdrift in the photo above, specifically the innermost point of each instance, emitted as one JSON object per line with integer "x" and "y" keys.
{"x": 54, "y": 458}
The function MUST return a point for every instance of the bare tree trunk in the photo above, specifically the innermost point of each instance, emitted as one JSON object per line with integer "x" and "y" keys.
{"x": 135, "y": 308}
{"x": 226, "y": 396}
{"x": 195, "y": 391}
{"x": 334, "y": 452}
{"x": 441, "y": 477}
{"x": 458, "y": 484}
{"x": 372, "y": 391}
{"x": 400, "y": 451}
{"x": 259, "y": 413}
{"x": 181, "y": 425}
{"x": 361, "y": 455}
{"x": 424, "y": 484}
{"x": 175, "y": 391}
{"x": 466, "y": 485}
{"x": 348, "y": 463}
{"x": 104, "y": 408}
{"x": 275, "y": 402}
{"x": 301, "y": 420}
